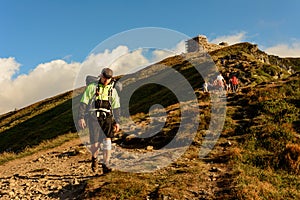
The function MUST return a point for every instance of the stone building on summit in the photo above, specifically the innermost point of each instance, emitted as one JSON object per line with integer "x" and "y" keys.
{"x": 200, "y": 43}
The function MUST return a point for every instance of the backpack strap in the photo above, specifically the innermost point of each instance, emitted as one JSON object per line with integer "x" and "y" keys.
{"x": 112, "y": 83}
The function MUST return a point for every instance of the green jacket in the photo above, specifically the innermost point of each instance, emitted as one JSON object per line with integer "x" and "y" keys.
{"x": 103, "y": 94}
{"x": 89, "y": 94}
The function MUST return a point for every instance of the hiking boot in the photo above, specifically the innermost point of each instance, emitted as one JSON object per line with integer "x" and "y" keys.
{"x": 94, "y": 164}
{"x": 106, "y": 169}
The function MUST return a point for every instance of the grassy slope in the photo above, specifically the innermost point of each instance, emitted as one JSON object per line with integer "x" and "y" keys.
{"x": 34, "y": 124}
{"x": 262, "y": 120}
{"x": 266, "y": 125}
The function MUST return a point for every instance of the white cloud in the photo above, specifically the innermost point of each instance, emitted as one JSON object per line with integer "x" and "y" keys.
{"x": 162, "y": 54}
{"x": 123, "y": 61}
{"x": 8, "y": 67}
{"x": 129, "y": 62}
{"x": 94, "y": 63}
{"x": 230, "y": 39}
{"x": 52, "y": 78}
{"x": 58, "y": 76}
{"x": 44, "y": 81}
{"x": 281, "y": 50}
{"x": 180, "y": 48}
{"x": 284, "y": 50}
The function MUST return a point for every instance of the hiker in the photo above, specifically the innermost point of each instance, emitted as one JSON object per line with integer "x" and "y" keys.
{"x": 227, "y": 82}
{"x": 99, "y": 109}
{"x": 234, "y": 82}
{"x": 220, "y": 82}
{"x": 205, "y": 87}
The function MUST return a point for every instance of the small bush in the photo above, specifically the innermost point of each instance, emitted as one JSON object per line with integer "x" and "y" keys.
{"x": 291, "y": 158}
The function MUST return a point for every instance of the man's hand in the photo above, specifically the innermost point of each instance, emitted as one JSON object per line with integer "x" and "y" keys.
{"x": 82, "y": 123}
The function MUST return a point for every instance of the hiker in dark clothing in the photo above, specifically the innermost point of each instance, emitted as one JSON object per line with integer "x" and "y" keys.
{"x": 227, "y": 84}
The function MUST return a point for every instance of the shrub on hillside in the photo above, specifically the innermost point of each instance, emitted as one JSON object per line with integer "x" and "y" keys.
{"x": 290, "y": 158}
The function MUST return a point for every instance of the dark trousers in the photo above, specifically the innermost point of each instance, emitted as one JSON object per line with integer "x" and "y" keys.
{"x": 100, "y": 128}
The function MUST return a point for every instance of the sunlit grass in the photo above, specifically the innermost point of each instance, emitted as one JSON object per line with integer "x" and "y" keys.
{"x": 47, "y": 144}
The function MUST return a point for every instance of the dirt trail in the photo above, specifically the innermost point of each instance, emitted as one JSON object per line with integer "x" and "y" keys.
{"x": 51, "y": 174}
{"x": 62, "y": 172}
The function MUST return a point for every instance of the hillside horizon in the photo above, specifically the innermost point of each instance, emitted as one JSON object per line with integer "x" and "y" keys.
{"x": 288, "y": 63}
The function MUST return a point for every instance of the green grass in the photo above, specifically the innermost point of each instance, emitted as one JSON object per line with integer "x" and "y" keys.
{"x": 47, "y": 125}
{"x": 269, "y": 167}
{"x": 258, "y": 183}
{"x": 46, "y": 144}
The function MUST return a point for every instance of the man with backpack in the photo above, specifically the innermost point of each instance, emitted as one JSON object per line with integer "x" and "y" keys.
{"x": 99, "y": 109}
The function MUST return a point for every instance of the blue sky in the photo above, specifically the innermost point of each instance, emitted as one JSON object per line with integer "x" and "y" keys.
{"x": 35, "y": 35}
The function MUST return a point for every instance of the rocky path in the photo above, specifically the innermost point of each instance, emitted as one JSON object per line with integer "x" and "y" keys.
{"x": 62, "y": 172}
{"x": 51, "y": 174}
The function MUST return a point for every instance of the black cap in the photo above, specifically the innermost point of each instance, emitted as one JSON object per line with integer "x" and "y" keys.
{"x": 107, "y": 73}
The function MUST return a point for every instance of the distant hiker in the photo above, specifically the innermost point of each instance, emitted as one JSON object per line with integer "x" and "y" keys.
{"x": 205, "y": 87}
{"x": 227, "y": 83}
{"x": 234, "y": 82}
{"x": 100, "y": 109}
{"x": 220, "y": 82}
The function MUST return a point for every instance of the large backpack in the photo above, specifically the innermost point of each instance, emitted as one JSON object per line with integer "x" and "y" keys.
{"x": 91, "y": 79}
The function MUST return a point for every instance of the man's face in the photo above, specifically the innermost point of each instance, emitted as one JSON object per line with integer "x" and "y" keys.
{"x": 105, "y": 81}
